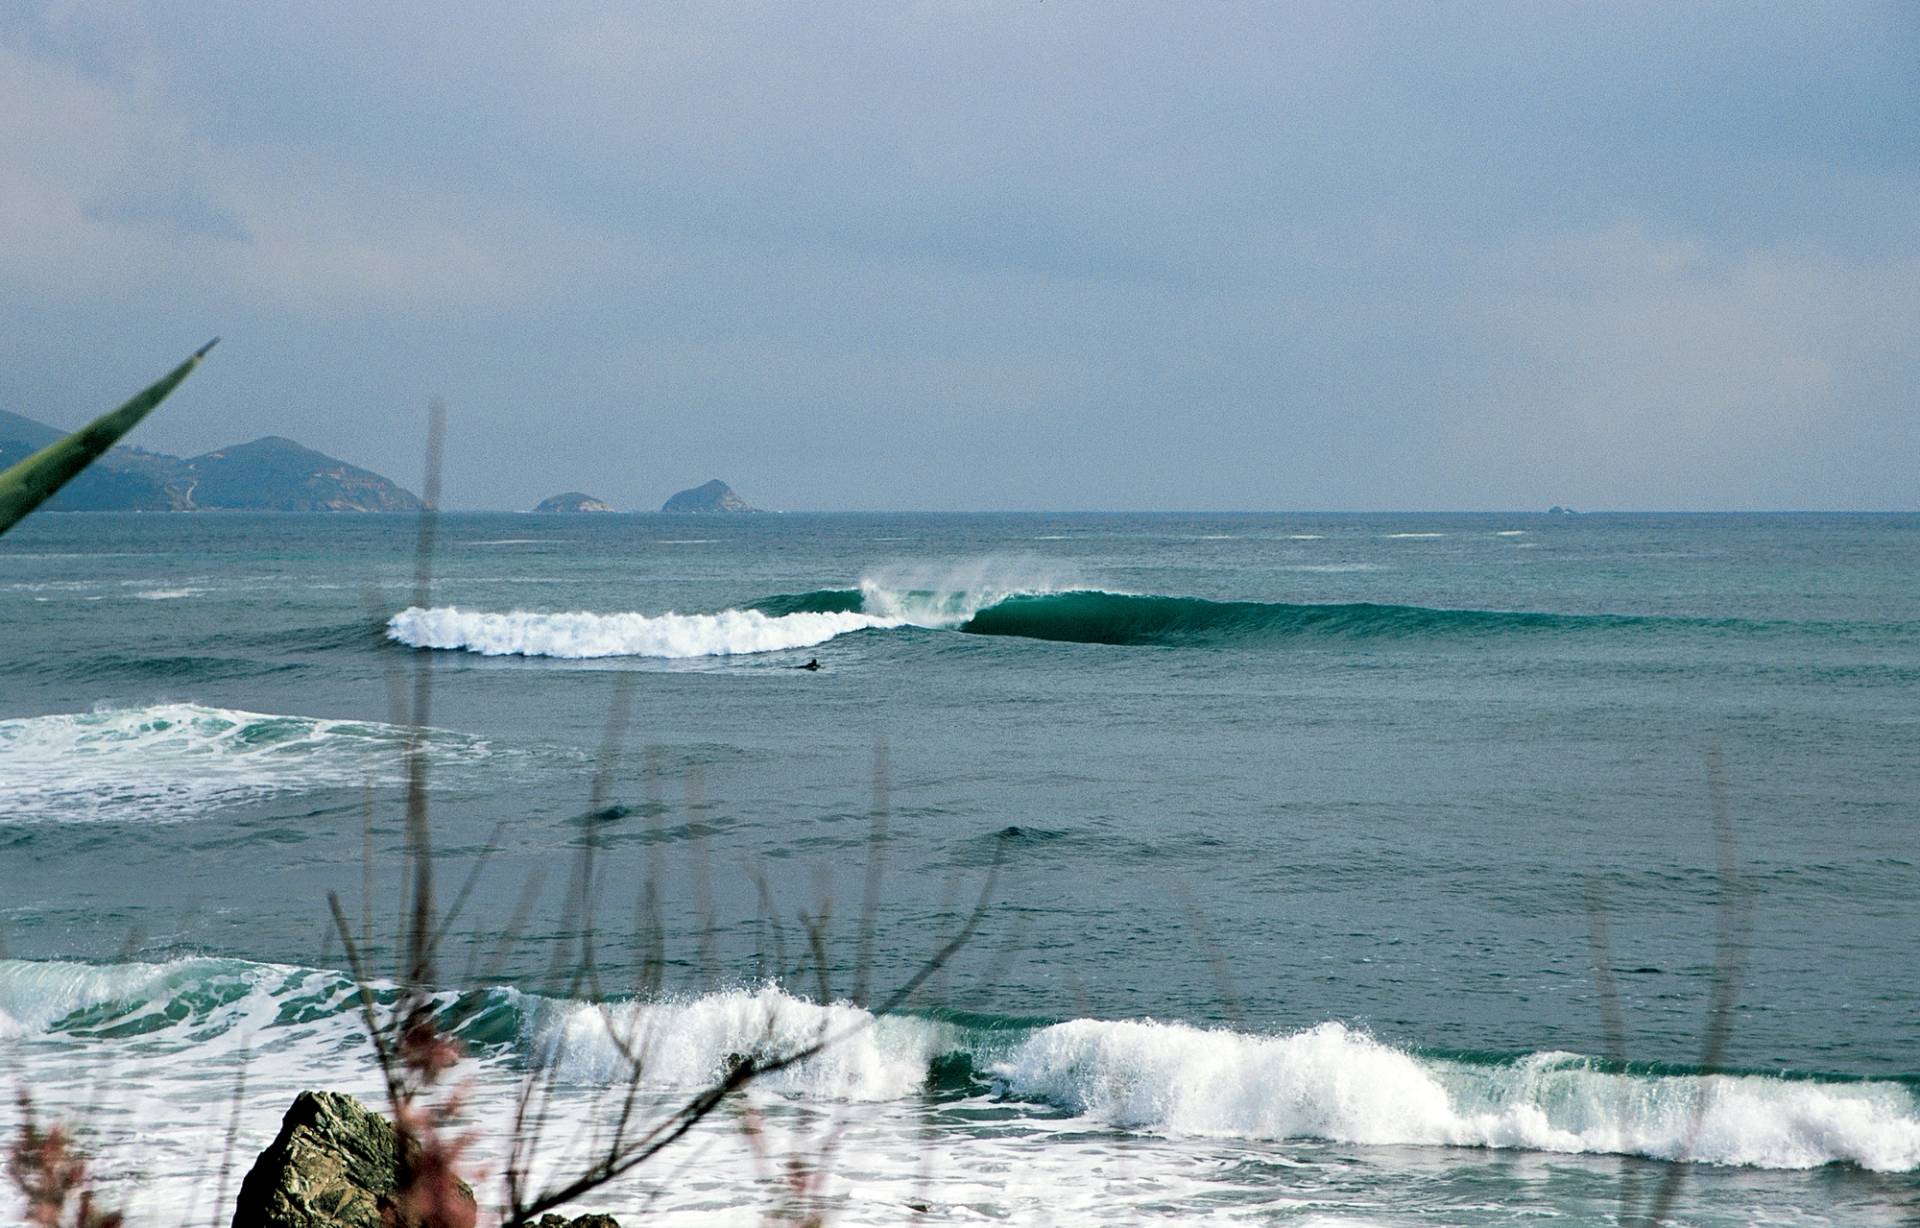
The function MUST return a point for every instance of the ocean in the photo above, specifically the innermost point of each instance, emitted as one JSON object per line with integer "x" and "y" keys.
{"x": 1337, "y": 869}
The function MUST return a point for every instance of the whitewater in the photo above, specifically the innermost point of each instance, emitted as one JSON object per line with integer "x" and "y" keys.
{"x": 584, "y": 635}
{"x": 1188, "y": 1086}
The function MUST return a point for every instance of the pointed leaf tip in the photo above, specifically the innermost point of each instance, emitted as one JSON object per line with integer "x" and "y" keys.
{"x": 202, "y": 351}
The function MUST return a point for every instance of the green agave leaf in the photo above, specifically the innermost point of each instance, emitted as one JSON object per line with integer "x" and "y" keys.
{"x": 34, "y": 480}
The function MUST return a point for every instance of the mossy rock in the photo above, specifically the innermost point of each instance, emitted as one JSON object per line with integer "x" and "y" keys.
{"x": 335, "y": 1164}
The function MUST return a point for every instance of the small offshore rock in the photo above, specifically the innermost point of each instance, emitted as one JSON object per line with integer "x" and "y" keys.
{"x": 714, "y": 496}
{"x": 335, "y": 1164}
{"x": 571, "y": 502}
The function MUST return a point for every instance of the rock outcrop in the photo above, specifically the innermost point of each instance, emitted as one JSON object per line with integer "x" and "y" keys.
{"x": 335, "y": 1164}
{"x": 573, "y": 501}
{"x": 714, "y": 496}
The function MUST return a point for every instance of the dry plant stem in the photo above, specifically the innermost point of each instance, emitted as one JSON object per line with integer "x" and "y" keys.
{"x": 419, "y": 830}
{"x": 412, "y": 1049}
{"x": 1613, "y": 1025}
{"x": 1216, "y": 959}
{"x": 1733, "y": 919}
{"x": 771, "y": 915}
{"x": 366, "y": 866}
{"x": 530, "y": 891}
{"x": 624, "y": 1156}
{"x": 51, "y": 1174}
{"x": 700, "y": 853}
{"x": 369, "y": 1010}
{"x": 876, "y": 867}
{"x": 817, "y": 943}
{"x": 460, "y": 897}
{"x": 233, "y": 1136}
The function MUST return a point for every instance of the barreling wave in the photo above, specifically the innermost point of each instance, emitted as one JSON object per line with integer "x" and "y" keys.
{"x": 172, "y": 762}
{"x": 1328, "y": 1082}
{"x": 1079, "y": 615}
{"x": 1095, "y": 616}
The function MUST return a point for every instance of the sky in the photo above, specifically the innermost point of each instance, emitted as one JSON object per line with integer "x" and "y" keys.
{"x": 1046, "y": 254}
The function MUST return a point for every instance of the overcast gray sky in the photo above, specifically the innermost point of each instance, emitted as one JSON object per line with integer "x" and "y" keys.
{"x": 1060, "y": 254}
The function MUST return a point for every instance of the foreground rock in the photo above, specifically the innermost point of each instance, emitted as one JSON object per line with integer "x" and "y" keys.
{"x": 335, "y": 1164}
{"x": 714, "y": 496}
{"x": 572, "y": 501}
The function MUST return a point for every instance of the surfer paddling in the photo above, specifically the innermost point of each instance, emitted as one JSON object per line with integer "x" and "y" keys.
{"x": 812, "y": 664}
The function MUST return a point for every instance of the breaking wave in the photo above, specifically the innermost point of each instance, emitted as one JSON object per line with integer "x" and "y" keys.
{"x": 1095, "y": 616}
{"x": 172, "y": 762}
{"x": 1328, "y": 1082}
{"x": 580, "y": 634}
{"x": 1071, "y": 615}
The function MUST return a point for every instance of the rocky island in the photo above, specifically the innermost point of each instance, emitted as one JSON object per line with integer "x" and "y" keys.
{"x": 573, "y": 501}
{"x": 270, "y": 474}
{"x": 714, "y": 496}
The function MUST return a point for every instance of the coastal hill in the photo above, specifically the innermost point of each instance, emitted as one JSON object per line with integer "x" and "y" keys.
{"x": 573, "y": 501}
{"x": 271, "y": 474}
{"x": 714, "y": 496}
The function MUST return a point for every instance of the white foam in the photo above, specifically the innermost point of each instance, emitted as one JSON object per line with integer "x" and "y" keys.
{"x": 1331, "y": 1082}
{"x": 1165, "y": 1079}
{"x": 581, "y": 635}
{"x": 1510, "y": 533}
{"x": 172, "y": 762}
{"x": 1406, "y": 535}
{"x": 950, "y": 594}
{"x": 168, "y": 594}
{"x": 687, "y": 1044}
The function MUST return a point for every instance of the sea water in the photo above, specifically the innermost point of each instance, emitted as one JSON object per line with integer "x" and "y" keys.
{"x": 1342, "y": 869}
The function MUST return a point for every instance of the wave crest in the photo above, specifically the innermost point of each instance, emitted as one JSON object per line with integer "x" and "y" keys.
{"x": 689, "y": 1043}
{"x": 1331, "y": 1082}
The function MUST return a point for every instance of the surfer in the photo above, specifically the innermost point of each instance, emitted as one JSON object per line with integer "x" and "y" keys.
{"x": 812, "y": 664}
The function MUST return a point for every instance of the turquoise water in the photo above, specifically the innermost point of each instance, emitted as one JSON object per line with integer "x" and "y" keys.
{"x": 1305, "y": 827}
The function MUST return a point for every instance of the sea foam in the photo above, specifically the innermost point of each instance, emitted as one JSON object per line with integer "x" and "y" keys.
{"x": 581, "y": 634}
{"x": 1325, "y": 1082}
{"x": 1334, "y": 1083}
{"x": 170, "y": 762}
